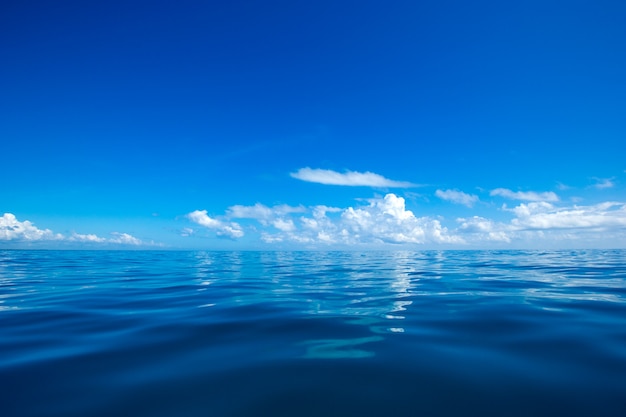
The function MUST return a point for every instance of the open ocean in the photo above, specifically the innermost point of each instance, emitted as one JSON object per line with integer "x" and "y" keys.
{"x": 433, "y": 333}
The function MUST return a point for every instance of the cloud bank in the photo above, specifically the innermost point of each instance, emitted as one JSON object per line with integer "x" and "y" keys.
{"x": 349, "y": 178}
{"x": 13, "y": 230}
{"x": 386, "y": 222}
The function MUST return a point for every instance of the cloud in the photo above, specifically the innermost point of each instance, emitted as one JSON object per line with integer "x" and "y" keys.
{"x": 525, "y": 195}
{"x": 457, "y": 197}
{"x": 231, "y": 230}
{"x": 118, "y": 238}
{"x": 349, "y": 178}
{"x": 77, "y": 237}
{"x": 262, "y": 212}
{"x": 12, "y": 229}
{"x": 602, "y": 183}
{"x": 124, "y": 239}
{"x": 284, "y": 225}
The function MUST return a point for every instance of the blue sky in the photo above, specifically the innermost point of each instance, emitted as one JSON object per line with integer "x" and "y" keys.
{"x": 313, "y": 125}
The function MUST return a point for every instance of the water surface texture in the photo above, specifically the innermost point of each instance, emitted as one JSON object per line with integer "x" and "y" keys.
{"x": 451, "y": 333}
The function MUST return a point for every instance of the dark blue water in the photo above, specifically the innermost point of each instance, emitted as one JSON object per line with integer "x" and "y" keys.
{"x": 477, "y": 333}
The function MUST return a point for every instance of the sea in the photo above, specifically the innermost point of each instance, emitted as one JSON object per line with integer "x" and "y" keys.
{"x": 390, "y": 333}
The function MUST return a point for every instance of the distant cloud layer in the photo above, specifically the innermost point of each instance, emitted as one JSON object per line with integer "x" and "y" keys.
{"x": 385, "y": 220}
{"x": 349, "y": 178}
{"x": 13, "y": 230}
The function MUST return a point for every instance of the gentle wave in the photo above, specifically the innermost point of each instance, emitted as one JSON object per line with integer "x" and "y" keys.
{"x": 310, "y": 333}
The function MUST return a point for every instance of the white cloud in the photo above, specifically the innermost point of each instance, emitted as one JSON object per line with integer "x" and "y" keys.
{"x": 458, "y": 197}
{"x": 15, "y": 230}
{"x": 349, "y": 178}
{"x": 525, "y": 195}
{"x": 536, "y": 223}
{"x": 602, "y": 183}
{"x": 231, "y": 230}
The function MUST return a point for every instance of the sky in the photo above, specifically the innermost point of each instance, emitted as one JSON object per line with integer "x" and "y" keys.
{"x": 289, "y": 125}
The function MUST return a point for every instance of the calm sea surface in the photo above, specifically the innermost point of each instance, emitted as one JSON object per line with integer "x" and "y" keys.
{"x": 452, "y": 333}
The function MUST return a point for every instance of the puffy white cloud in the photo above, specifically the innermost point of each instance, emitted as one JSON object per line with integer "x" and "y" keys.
{"x": 525, "y": 195}
{"x": 231, "y": 230}
{"x": 458, "y": 197}
{"x": 349, "y": 178}
{"x": 15, "y": 230}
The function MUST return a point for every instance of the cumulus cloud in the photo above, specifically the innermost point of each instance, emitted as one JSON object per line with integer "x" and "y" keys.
{"x": 349, "y": 178}
{"x": 231, "y": 230}
{"x": 383, "y": 220}
{"x": 457, "y": 197}
{"x": 15, "y": 230}
{"x": 525, "y": 195}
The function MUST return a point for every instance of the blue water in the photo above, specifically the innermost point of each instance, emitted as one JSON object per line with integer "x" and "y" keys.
{"x": 452, "y": 333}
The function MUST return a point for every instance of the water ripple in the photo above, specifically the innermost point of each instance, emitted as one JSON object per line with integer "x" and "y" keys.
{"x": 309, "y": 333}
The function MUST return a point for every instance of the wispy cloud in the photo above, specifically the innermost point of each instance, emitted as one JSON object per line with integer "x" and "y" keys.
{"x": 11, "y": 229}
{"x": 349, "y": 178}
{"x": 602, "y": 183}
{"x": 525, "y": 195}
{"x": 457, "y": 197}
{"x": 262, "y": 212}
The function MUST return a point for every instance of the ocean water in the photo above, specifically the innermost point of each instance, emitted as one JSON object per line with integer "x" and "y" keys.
{"x": 441, "y": 333}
